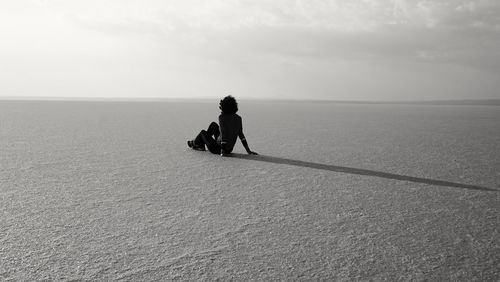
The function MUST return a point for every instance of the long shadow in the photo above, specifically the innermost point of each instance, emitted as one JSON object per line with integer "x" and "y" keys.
{"x": 359, "y": 171}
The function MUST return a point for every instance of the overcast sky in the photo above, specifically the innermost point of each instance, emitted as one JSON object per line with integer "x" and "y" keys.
{"x": 299, "y": 49}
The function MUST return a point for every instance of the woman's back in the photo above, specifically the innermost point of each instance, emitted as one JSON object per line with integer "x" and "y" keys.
{"x": 230, "y": 128}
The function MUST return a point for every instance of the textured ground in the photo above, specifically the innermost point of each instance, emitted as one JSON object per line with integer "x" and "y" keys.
{"x": 109, "y": 191}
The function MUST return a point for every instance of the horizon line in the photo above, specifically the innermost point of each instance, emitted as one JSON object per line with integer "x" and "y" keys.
{"x": 485, "y": 101}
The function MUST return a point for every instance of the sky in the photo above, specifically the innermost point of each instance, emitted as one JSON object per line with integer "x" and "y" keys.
{"x": 291, "y": 49}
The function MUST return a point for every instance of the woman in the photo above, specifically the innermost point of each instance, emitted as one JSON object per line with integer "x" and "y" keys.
{"x": 221, "y": 140}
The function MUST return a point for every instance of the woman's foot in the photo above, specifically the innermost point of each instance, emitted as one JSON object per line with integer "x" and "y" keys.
{"x": 193, "y": 146}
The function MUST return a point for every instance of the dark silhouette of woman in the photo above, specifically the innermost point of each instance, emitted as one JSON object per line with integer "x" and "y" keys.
{"x": 221, "y": 140}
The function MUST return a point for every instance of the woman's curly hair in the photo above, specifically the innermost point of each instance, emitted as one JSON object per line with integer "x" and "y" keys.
{"x": 228, "y": 105}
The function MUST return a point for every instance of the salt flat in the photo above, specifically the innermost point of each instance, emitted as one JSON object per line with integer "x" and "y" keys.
{"x": 110, "y": 191}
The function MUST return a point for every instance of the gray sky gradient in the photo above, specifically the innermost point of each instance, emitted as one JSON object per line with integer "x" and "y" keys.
{"x": 298, "y": 49}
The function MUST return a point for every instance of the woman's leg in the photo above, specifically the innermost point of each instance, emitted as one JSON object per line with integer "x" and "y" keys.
{"x": 212, "y": 145}
{"x": 208, "y": 137}
{"x": 213, "y": 130}
{"x": 198, "y": 141}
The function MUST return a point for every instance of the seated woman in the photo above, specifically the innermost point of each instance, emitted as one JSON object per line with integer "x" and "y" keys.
{"x": 221, "y": 140}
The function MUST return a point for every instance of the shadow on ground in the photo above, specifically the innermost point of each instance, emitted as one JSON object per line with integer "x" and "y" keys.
{"x": 359, "y": 171}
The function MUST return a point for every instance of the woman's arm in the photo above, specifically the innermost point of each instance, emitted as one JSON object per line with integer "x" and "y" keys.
{"x": 245, "y": 143}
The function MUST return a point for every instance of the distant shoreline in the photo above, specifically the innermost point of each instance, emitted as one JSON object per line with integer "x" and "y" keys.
{"x": 471, "y": 102}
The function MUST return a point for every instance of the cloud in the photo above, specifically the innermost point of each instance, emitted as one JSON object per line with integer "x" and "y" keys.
{"x": 285, "y": 45}
{"x": 449, "y": 31}
{"x": 355, "y": 15}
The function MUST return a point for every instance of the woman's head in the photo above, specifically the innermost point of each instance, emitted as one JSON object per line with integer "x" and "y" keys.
{"x": 228, "y": 105}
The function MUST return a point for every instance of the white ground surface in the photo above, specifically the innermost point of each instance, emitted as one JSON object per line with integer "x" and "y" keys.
{"x": 109, "y": 191}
